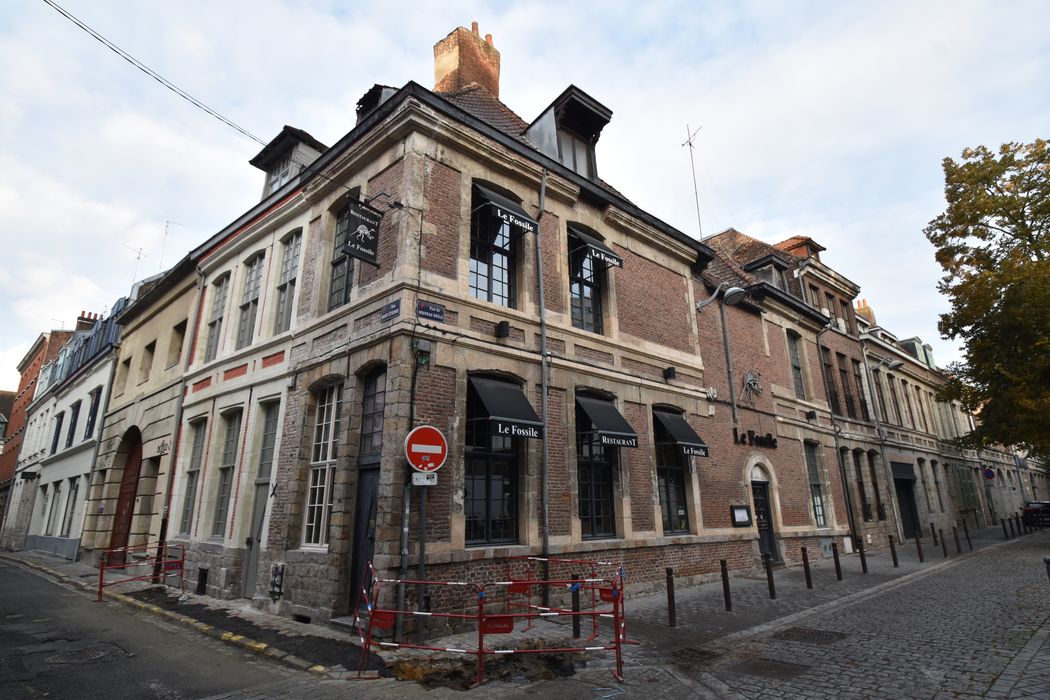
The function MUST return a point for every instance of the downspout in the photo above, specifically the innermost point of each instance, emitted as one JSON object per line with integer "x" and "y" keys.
{"x": 544, "y": 360}
{"x": 177, "y": 434}
{"x": 835, "y": 430}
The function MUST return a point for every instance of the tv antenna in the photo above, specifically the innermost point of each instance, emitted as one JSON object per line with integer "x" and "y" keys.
{"x": 164, "y": 241}
{"x": 690, "y": 137}
{"x": 138, "y": 256}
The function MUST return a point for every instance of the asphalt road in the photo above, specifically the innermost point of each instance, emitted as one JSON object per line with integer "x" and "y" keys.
{"x": 59, "y": 643}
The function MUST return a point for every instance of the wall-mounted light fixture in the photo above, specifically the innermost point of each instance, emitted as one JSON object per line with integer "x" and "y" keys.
{"x": 811, "y": 415}
{"x": 503, "y": 329}
{"x": 670, "y": 373}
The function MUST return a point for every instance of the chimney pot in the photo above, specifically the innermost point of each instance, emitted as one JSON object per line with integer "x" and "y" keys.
{"x": 474, "y": 27}
{"x": 488, "y": 39}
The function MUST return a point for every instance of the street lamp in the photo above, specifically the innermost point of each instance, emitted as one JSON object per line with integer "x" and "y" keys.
{"x": 732, "y": 296}
{"x": 889, "y": 364}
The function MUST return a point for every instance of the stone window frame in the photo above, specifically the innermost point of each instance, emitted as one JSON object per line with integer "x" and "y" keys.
{"x": 664, "y": 451}
{"x": 252, "y": 291}
{"x": 818, "y": 498}
{"x": 199, "y": 434}
{"x": 485, "y": 232}
{"x": 794, "y": 348}
{"x": 233, "y": 424}
{"x": 287, "y": 280}
{"x": 586, "y": 274}
{"x": 220, "y": 289}
{"x": 324, "y": 454}
{"x": 609, "y": 462}
{"x": 71, "y": 505}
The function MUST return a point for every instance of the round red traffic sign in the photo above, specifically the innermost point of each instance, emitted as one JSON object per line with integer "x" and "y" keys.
{"x": 426, "y": 449}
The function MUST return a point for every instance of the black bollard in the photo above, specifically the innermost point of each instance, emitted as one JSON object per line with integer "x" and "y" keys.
{"x": 918, "y": 548}
{"x": 944, "y": 545}
{"x": 958, "y": 545}
{"x": 575, "y": 606}
{"x": 1046, "y": 560}
{"x": 769, "y": 576}
{"x": 671, "y": 612}
{"x": 863, "y": 559}
{"x": 893, "y": 552}
{"x": 1010, "y": 522}
{"x": 838, "y": 564}
{"x": 805, "y": 568}
{"x": 1018, "y": 519}
{"x": 933, "y": 534}
{"x": 725, "y": 587}
{"x": 966, "y": 531}
{"x": 1003, "y": 523}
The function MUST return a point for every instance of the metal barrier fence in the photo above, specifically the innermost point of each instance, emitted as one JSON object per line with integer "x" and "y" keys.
{"x": 605, "y": 590}
{"x": 163, "y": 560}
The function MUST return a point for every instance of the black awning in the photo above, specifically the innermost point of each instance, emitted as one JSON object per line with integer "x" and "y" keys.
{"x": 903, "y": 470}
{"x": 509, "y": 411}
{"x": 506, "y": 210}
{"x": 598, "y": 249}
{"x": 612, "y": 428}
{"x": 691, "y": 444}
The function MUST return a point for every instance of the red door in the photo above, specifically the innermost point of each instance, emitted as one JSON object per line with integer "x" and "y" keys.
{"x": 126, "y": 500}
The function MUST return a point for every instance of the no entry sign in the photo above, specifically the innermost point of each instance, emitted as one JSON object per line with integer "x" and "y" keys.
{"x": 426, "y": 449}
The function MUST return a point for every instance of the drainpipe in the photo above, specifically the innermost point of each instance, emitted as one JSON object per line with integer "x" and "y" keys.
{"x": 177, "y": 434}
{"x": 544, "y": 365}
{"x": 835, "y": 430}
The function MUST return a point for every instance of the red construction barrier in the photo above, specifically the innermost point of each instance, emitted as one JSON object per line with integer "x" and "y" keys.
{"x": 161, "y": 560}
{"x": 608, "y": 590}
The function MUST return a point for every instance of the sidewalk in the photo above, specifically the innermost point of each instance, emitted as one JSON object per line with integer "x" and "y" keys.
{"x": 702, "y": 624}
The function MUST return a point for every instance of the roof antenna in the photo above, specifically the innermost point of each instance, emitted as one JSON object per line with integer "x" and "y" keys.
{"x": 164, "y": 242}
{"x": 138, "y": 256}
{"x": 696, "y": 191}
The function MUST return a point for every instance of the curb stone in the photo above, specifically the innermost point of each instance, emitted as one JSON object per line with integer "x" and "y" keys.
{"x": 237, "y": 640}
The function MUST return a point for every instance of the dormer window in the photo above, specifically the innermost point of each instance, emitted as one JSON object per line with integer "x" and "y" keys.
{"x": 773, "y": 275}
{"x": 575, "y": 153}
{"x": 280, "y": 173}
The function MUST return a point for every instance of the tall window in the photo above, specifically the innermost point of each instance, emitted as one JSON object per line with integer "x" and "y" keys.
{"x": 342, "y": 264}
{"x": 286, "y": 282}
{"x": 74, "y": 415}
{"x": 847, "y": 392}
{"x": 146, "y": 361}
{"x": 830, "y": 300}
{"x": 250, "y": 301}
{"x": 372, "y": 417}
{"x": 844, "y": 309}
{"x": 880, "y": 399}
{"x": 199, "y": 431}
{"x": 585, "y": 287}
{"x": 858, "y": 377}
{"x": 937, "y": 484}
{"x": 492, "y": 257}
{"x": 490, "y": 496}
{"x": 58, "y": 432}
{"x": 280, "y": 173}
{"x": 231, "y": 437}
{"x": 322, "y": 466}
{"x": 89, "y": 425}
{"x": 858, "y": 469}
{"x": 218, "y": 309}
{"x": 594, "y": 473}
{"x": 175, "y": 343}
{"x": 829, "y": 377}
{"x": 879, "y": 508}
{"x": 71, "y": 505}
{"x": 907, "y": 402}
{"x": 795, "y": 356}
{"x": 576, "y": 153}
{"x": 56, "y": 493}
{"x": 893, "y": 397}
{"x": 816, "y": 484}
{"x": 922, "y": 408}
{"x": 271, "y": 410}
{"x": 670, "y": 477}
{"x": 925, "y": 485}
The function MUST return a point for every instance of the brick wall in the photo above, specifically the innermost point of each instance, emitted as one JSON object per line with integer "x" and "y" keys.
{"x": 639, "y": 468}
{"x": 390, "y": 181}
{"x": 442, "y": 192}
{"x": 651, "y": 302}
{"x": 554, "y": 248}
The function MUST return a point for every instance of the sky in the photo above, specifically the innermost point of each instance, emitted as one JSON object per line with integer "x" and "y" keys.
{"x": 825, "y": 119}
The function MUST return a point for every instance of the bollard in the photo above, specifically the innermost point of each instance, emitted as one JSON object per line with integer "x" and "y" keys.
{"x": 863, "y": 559}
{"x": 944, "y": 545}
{"x": 805, "y": 568}
{"x": 725, "y": 586}
{"x": 575, "y": 606}
{"x": 893, "y": 552}
{"x": 1010, "y": 522}
{"x": 933, "y": 534}
{"x": 958, "y": 545}
{"x": 1003, "y": 523}
{"x": 769, "y": 576}
{"x": 1018, "y": 519}
{"x": 671, "y": 612}
{"x": 966, "y": 531}
{"x": 838, "y": 565}
{"x": 918, "y": 548}
{"x": 1046, "y": 560}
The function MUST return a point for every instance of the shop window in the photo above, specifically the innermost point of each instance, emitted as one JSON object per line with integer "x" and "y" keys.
{"x": 595, "y": 466}
{"x": 491, "y": 479}
{"x": 670, "y": 476}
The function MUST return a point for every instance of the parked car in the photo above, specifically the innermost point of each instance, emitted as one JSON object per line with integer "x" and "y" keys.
{"x": 1036, "y": 513}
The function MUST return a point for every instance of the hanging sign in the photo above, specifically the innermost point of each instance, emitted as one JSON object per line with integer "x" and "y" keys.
{"x": 426, "y": 448}
{"x": 362, "y": 235}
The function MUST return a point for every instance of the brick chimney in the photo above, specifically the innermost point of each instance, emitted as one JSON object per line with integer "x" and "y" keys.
{"x": 863, "y": 308}
{"x": 86, "y": 320}
{"x": 463, "y": 58}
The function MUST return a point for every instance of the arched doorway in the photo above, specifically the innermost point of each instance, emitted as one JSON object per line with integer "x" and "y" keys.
{"x": 131, "y": 449}
{"x": 763, "y": 504}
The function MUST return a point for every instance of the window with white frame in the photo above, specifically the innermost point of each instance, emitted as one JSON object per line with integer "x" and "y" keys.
{"x": 322, "y": 466}
{"x": 250, "y": 301}
{"x": 198, "y": 432}
{"x": 342, "y": 274}
{"x": 218, "y": 310}
{"x": 816, "y": 483}
{"x": 231, "y": 437}
{"x": 280, "y": 173}
{"x": 586, "y": 285}
{"x": 290, "y": 248}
